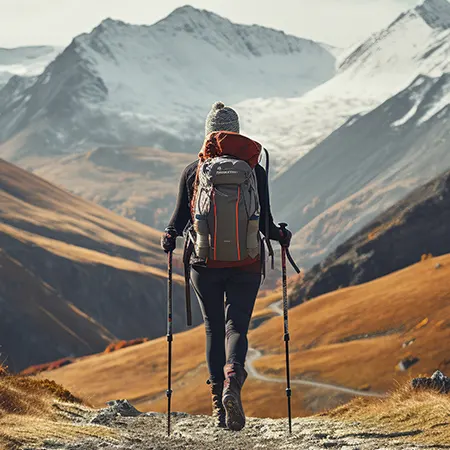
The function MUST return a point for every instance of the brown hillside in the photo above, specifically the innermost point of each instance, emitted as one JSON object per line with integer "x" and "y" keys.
{"x": 32, "y": 204}
{"x": 73, "y": 274}
{"x": 139, "y": 183}
{"x": 355, "y": 336}
{"x": 140, "y": 375}
{"x": 414, "y": 226}
{"x": 352, "y": 337}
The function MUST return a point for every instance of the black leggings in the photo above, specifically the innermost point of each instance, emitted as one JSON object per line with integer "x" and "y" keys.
{"x": 226, "y": 297}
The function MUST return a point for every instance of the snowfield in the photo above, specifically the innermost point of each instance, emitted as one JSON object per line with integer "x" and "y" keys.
{"x": 25, "y": 61}
{"x": 418, "y": 42}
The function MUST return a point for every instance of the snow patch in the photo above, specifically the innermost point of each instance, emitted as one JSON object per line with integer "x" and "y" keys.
{"x": 438, "y": 106}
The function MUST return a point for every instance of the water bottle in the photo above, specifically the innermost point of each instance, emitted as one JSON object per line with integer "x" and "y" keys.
{"x": 252, "y": 236}
{"x": 202, "y": 240}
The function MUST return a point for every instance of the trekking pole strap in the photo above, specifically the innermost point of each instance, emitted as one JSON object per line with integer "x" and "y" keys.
{"x": 187, "y": 253}
{"x": 283, "y": 227}
{"x": 291, "y": 260}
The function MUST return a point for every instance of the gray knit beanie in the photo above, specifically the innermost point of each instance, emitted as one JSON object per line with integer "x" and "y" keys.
{"x": 221, "y": 118}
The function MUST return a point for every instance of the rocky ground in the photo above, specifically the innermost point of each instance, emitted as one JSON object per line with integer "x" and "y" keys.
{"x": 148, "y": 431}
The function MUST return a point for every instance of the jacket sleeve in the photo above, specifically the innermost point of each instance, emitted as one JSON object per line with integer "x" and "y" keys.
{"x": 264, "y": 200}
{"x": 181, "y": 214}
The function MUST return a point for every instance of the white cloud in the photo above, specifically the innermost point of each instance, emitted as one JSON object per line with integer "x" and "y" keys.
{"x": 339, "y": 22}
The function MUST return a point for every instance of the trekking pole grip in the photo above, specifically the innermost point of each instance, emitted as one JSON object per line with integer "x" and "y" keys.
{"x": 283, "y": 227}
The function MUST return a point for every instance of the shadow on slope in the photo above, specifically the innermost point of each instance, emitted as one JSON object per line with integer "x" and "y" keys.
{"x": 73, "y": 274}
{"x": 399, "y": 237}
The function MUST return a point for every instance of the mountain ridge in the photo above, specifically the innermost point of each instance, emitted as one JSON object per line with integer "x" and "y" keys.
{"x": 365, "y": 167}
{"x": 99, "y": 83}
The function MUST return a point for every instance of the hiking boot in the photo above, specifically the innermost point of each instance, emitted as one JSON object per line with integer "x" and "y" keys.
{"x": 235, "y": 376}
{"x": 218, "y": 411}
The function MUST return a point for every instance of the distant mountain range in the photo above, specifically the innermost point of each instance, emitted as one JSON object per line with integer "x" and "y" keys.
{"x": 152, "y": 85}
{"x": 368, "y": 74}
{"x": 25, "y": 61}
{"x": 376, "y": 158}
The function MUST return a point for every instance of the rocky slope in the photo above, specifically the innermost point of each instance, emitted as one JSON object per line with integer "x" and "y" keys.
{"x": 365, "y": 167}
{"x": 76, "y": 276}
{"x": 415, "y": 226}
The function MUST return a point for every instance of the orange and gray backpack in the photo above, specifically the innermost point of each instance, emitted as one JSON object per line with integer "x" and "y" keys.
{"x": 225, "y": 205}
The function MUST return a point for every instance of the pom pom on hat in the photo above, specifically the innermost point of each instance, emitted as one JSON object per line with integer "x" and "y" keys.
{"x": 221, "y": 118}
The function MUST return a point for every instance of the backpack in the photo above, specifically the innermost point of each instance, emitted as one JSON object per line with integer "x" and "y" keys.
{"x": 225, "y": 205}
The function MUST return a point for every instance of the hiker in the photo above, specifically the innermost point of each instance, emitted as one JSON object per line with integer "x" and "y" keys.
{"x": 222, "y": 209}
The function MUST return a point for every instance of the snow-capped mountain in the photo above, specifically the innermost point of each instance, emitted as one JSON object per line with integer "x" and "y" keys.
{"x": 417, "y": 42}
{"x": 25, "y": 61}
{"x": 366, "y": 166}
{"x": 153, "y": 85}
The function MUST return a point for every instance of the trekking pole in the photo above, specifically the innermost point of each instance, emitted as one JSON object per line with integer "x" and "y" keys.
{"x": 284, "y": 253}
{"x": 169, "y": 338}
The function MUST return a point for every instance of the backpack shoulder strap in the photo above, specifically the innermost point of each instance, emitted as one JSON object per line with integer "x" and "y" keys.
{"x": 267, "y": 215}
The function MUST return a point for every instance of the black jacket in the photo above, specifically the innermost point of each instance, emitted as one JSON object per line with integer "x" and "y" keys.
{"x": 182, "y": 213}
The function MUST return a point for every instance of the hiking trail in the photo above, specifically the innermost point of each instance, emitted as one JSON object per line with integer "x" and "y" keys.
{"x": 255, "y": 354}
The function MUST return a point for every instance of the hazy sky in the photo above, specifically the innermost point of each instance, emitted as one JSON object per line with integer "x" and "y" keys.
{"x": 338, "y": 22}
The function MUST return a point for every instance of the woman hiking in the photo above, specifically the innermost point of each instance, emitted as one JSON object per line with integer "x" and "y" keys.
{"x": 222, "y": 209}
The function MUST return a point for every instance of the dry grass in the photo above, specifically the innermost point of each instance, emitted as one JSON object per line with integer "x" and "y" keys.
{"x": 334, "y": 339}
{"x": 355, "y": 336}
{"x": 140, "y": 374}
{"x": 35, "y": 411}
{"x": 47, "y": 367}
{"x": 424, "y": 415}
{"x": 119, "y": 345}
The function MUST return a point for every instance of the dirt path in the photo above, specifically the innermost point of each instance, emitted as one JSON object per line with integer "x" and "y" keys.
{"x": 148, "y": 431}
{"x": 254, "y": 354}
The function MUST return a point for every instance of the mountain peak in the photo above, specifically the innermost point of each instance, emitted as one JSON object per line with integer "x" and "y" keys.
{"x": 188, "y": 15}
{"x": 436, "y": 13}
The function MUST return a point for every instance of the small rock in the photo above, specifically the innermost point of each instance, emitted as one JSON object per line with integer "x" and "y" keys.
{"x": 406, "y": 363}
{"x": 124, "y": 408}
{"x": 115, "y": 408}
{"x": 437, "y": 266}
{"x": 438, "y": 382}
{"x": 408, "y": 343}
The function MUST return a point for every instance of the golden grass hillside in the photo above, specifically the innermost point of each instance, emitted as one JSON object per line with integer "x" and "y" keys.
{"x": 35, "y": 411}
{"x": 353, "y": 337}
{"x": 74, "y": 275}
{"x": 30, "y": 204}
{"x": 423, "y": 416}
{"x": 140, "y": 375}
{"x": 357, "y": 336}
